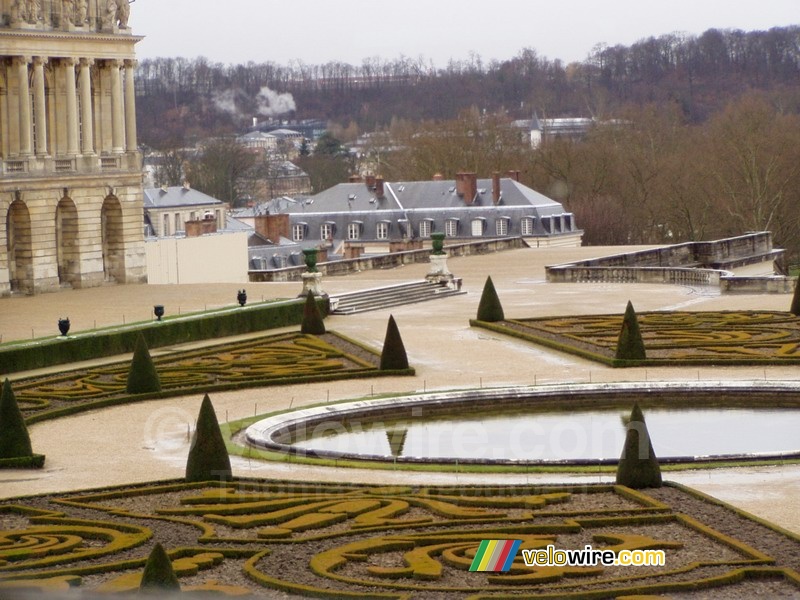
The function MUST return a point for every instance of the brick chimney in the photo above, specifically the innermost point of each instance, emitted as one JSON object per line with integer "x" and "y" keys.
{"x": 467, "y": 187}
{"x": 200, "y": 227}
{"x": 438, "y": 177}
{"x": 496, "y": 188}
{"x": 513, "y": 175}
{"x": 272, "y": 227}
{"x": 379, "y": 191}
{"x": 370, "y": 181}
{"x": 354, "y": 179}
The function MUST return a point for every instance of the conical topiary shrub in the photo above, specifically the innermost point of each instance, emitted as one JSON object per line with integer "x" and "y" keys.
{"x": 142, "y": 376}
{"x": 159, "y": 576}
{"x": 795, "y": 309}
{"x": 489, "y": 308}
{"x": 638, "y": 466}
{"x": 393, "y": 356}
{"x": 208, "y": 458}
{"x": 14, "y": 439}
{"x": 312, "y": 319}
{"x": 630, "y": 345}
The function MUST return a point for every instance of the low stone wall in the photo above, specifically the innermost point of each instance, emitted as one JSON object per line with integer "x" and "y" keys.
{"x": 387, "y": 261}
{"x": 677, "y": 276}
{"x": 757, "y": 285}
{"x": 691, "y": 263}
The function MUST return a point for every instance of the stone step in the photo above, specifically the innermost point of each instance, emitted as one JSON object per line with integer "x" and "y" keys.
{"x": 396, "y": 295}
{"x": 386, "y": 301}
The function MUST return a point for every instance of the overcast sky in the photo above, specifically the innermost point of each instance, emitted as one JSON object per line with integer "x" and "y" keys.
{"x": 319, "y": 31}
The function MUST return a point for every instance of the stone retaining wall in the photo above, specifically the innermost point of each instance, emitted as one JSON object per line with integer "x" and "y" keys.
{"x": 387, "y": 261}
{"x": 692, "y": 263}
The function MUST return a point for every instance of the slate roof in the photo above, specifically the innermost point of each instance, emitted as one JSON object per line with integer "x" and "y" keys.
{"x": 177, "y": 196}
{"x": 412, "y": 196}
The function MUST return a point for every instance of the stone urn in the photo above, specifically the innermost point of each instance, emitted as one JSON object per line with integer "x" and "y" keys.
{"x": 437, "y": 240}
{"x": 158, "y": 311}
{"x": 310, "y": 255}
{"x": 63, "y": 326}
{"x": 241, "y": 297}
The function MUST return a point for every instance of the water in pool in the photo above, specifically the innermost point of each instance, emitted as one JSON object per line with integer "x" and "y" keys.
{"x": 560, "y": 435}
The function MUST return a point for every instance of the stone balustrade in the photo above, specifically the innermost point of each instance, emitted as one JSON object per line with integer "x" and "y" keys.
{"x": 691, "y": 263}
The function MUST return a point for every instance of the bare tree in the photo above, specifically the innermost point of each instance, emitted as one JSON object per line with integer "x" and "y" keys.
{"x": 220, "y": 169}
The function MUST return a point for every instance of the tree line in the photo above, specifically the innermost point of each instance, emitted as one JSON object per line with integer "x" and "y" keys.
{"x": 697, "y": 73}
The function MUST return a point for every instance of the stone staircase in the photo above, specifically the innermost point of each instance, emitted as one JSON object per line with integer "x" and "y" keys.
{"x": 393, "y": 295}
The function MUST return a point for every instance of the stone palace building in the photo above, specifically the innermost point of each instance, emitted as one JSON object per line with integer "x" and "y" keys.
{"x": 70, "y": 172}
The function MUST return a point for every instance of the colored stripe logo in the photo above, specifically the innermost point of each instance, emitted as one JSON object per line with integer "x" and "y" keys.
{"x": 496, "y": 556}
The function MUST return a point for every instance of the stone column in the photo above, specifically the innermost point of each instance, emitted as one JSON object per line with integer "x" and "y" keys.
{"x": 130, "y": 107}
{"x": 87, "y": 116}
{"x": 40, "y": 105}
{"x": 72, "y": 106}
{"x": 25, "y": 126}
{"x": 117, "y": 116}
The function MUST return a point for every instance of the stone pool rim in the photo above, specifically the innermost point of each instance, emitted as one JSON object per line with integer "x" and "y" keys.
{"x": 269, "y": 433}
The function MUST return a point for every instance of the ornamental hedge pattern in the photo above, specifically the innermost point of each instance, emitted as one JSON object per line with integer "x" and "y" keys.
{"x": 671, "y": 338}
{"x": 259, "y": 362}
{"x": 401, "y": 541}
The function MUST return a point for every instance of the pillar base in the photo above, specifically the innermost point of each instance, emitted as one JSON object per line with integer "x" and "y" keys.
{"x": 312, "y": 282}
{"x": 438, "y": 268}
{"x": 439, "y": 273}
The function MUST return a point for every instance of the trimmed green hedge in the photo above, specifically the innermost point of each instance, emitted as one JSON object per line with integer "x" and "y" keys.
{"x": 36, "y": 461}
{"x": 142, "y": 376}
{"x": 175, "y": 330}
{"x": 208, "y": 459}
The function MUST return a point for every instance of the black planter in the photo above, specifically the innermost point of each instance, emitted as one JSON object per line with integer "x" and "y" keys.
{"x": 63, "y": 326}
{"x": 242, "y": 297}
{"x": 158, "y": 311}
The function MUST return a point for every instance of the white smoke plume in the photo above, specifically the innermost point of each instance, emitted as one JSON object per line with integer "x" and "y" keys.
{"x": 226, "y": 101}
{"x": 268, "y": 102}
{"x": 272, "y": 104}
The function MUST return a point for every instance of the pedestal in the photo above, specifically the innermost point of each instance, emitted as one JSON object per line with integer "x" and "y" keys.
{"x": 439, "y": 273}
{"x": 312, "y": 282}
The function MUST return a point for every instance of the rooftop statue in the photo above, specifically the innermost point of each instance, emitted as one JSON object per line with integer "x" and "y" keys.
{"x": 117, "y": 14}
{"x": 28, "y": 11}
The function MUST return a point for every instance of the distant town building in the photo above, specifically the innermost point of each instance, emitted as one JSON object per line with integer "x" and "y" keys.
{"x": 191, "y": 240}
{"x": 537, "y": 129}
{"x": 310, "y": 129}
{"x": 167, "y": 210}
{"x": 279, "y": 178}
{"x": 70, "y": 168}
{"x": 258, "y": 140}
{"x": 575, "y": 128}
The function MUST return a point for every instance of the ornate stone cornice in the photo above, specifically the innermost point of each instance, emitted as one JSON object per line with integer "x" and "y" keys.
{"x": 70, "y": 35}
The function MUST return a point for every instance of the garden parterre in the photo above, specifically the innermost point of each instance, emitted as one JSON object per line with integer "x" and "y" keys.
{"x": 401, "y": 541}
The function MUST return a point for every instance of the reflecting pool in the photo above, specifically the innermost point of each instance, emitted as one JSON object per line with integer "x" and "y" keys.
{"x": 558, "y": 436}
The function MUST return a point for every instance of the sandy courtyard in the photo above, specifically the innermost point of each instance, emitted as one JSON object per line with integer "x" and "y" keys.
{"x": 148, "y": 441}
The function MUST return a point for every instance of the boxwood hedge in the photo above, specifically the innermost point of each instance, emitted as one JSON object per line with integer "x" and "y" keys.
{"x": 16, "y": 357}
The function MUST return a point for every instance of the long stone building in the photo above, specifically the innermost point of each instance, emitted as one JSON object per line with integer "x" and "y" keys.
{"x": 70, "y": 172}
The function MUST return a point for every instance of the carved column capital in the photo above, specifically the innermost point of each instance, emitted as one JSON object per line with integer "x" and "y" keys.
{"x": 131, "y": 63}
{"x": 87, "y": 62}
{"x": 40, "y": 61}
{"x": 21, "y": 60}
{"x": 69, "y": 61}
{"x": 114, "y": 63}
